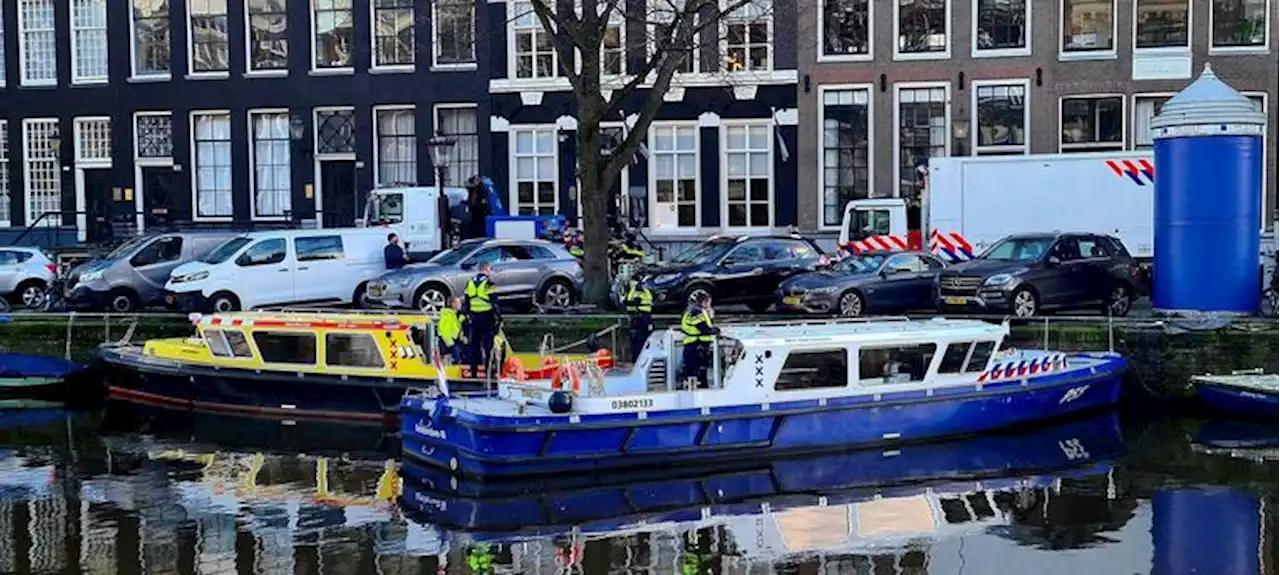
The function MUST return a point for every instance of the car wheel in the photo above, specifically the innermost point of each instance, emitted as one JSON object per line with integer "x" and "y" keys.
{"x": 1025, "y": 303}
{"x": 431, "y": 299}
{"x": 1120, "y": 302}
{"x": 556, "y": 294}
{"x": 357, "y": 298}
{"x": 851, "y": 304}
{"x": 30, "y": 294}
{"x": 696, "y": 292}
{"x": 224, "y": 302}
{"x": 121, "y": 301}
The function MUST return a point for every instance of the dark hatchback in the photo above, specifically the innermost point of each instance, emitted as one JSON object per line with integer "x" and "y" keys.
{"x": 1028, "y": 273}
{"x": 875, "y": 282}
{"x": 734, "y": 269}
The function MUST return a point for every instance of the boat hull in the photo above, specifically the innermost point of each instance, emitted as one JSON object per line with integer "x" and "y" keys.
{"x": 470, "y": 444}
{"x": 1237, "y": 402}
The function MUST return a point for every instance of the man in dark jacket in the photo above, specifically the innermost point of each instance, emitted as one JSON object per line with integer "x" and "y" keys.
{"x": 393, "y": 254}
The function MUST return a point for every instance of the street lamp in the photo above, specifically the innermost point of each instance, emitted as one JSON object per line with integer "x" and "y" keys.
{"x": 440, "y": 147}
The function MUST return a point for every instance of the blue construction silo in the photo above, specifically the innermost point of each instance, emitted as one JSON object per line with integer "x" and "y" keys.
{"x": 1208, "y": 204}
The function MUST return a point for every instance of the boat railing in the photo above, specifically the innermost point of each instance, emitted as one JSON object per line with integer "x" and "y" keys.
{"x": 821, "y": 322}
{"x": 329, "y": 311}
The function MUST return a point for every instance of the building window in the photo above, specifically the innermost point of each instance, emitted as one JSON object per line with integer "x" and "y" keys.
{"x": 748, "y": 175}
{"x": 535, "y": 171}
{"x": 922, "y": 26}
{"x": 846, "y": 28}
{"x": 455, "y": 30}
{"x": 5, "y": 217}
{"x": 207, "y": 33}
{"x": 154, "y": 135}
{"x": 922, "y": 134}
{"x": 460, "y": 122}
{"x": 846, "y": 145}
{"x": 336, "y": 131}
{"x": 397, "y": 153}
{"x": 93, "y": 139}
{"x": 747, "y": 36}
{"x": 212, "y": 134}
{"x": 675, "y": 169}
{"x": 1145, "y": 109}
{"x": 333, "y": 30}
{"x": 150, "y": 38}
{"x": 1239, "y": 23}
{"x": 270, "y": 159}
{"x": 665, "y": 14}
{"x": 37, "y": 43}
{"x": 613, "y": 54}
{"x": 1001, "y": 25}
{"x": 1088, "y": 26}
{"x": 89, "y": 41}
{"x": 268, "y": 35}
{"x": 392, "y": 33}
{"x": 1092, "y": 124}
{"x": 1162, "y": 23}
{"x": 535, "y": 55}
{"x": 43, "y": 174}
{"x": 1000, "y": 118}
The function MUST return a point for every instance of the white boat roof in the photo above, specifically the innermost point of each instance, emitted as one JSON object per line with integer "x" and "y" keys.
{"x": 871, "y": 329}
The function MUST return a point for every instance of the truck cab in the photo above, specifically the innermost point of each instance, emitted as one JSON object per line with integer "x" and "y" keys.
{"x": 417, "y": 214}
{"x": 876, "y": 224}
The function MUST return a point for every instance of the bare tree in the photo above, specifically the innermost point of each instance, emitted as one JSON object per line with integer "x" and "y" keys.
{"x": 581, "y": 36}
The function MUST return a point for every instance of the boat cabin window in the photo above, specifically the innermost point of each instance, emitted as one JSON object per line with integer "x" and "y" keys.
{"x": 895, "y": 364}
{"x": 217, "y": 343}
{"x": 981, "y": 354}
{"x": 239, "y": 343}
{"x": 351, "y": 350}
{"x": 282, "y": 347}
{"x": 953, "y": 358}
{"x": 814, "y": 369}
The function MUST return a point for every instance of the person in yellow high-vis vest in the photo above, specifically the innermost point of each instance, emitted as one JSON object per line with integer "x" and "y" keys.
{"x": 449, "y": 330}
{"x": 639, "y": 302}
{"x": 699, "y": 334}
{"x": 481, "y": 307}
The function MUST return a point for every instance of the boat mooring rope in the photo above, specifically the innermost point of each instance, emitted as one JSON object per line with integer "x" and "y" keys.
{"x": 584, "y": 340}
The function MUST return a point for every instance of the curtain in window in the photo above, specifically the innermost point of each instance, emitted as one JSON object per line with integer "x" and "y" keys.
{"x": 397, "y": 153}
{"x": 213, "y": 165}
{"x": 271, "y": 164}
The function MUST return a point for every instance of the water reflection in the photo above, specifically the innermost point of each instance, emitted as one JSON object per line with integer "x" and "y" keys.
{"x": 194, "y": 495}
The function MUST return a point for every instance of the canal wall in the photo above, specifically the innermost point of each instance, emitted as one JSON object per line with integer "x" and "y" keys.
{"x": 1163, "y": 355}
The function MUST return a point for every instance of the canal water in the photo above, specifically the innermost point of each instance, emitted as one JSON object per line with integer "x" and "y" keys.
{"x": 127, "y": 490}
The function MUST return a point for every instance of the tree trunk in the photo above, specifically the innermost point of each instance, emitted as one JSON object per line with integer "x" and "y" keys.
{"x": 593, "y": 198}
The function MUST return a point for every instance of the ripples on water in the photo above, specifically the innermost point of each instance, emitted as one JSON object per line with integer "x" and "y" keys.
{"x": 155, "y": 492}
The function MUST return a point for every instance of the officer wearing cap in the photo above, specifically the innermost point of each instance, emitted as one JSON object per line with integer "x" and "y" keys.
{"x": 699, "y": 334}
{"x": 482, "y": 314}
{"x": 639, "y": 302}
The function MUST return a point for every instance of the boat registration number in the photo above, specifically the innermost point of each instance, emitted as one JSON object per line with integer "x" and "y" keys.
{"x": 632, "y": 403}
{"x": 791, "y": 300}
{"x": 956, "y": 300}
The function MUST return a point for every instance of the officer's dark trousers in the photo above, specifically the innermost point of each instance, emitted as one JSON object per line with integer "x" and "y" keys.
{"x": 482, "y": 326}
{"x": 694, "y": 361}
{"x": 641, "y": 327}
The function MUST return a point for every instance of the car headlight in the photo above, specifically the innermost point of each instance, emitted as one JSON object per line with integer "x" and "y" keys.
{"x": 90, "y": 276}
{"x": 998, "y": 280}
{"x": 665, "y": 279}
{"x": 191, "y": 277}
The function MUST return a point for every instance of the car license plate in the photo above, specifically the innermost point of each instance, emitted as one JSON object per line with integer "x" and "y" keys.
{"x": 956, "y": 300}
{"x": 791, "y": 300}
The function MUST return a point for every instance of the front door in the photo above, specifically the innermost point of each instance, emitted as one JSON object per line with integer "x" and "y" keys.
{"x": 98, "y": 207}
{"x": 157, "y": 196}
{"x": 338, "y": 189}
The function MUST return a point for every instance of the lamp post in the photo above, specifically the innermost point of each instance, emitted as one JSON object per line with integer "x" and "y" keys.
{"x": 440, "y": 147}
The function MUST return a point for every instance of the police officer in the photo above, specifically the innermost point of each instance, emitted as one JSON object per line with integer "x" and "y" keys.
{"x": 573, "y": 242}
{"x": 639, "y": 303}
{"x": 482, "y": 316}
{"x": 629, "y": 250}
{"x": 698, "y": 332}
{"x": 449, "y": 330}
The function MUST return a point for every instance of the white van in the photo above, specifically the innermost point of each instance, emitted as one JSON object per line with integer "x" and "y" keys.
{"x": 280, "y": 268}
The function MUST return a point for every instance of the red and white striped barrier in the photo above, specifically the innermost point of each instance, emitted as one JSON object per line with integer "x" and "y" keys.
{"x": 1024, "y": 367}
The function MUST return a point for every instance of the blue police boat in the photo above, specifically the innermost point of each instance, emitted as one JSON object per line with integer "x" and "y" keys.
{"x": 1251, "y": 395}
{"x": 770, "y": 388}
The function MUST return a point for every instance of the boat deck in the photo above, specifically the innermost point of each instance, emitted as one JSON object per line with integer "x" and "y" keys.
{"x": 1258, "y": 382}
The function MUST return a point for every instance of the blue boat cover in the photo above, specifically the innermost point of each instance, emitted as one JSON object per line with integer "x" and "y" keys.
{"x": 24, "y": 365}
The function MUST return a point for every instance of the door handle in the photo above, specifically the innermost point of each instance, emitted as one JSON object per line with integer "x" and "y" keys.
{"x": 282, "y": 269}
{"x": 303, "y": 268}
{"x": 757, "y": 271}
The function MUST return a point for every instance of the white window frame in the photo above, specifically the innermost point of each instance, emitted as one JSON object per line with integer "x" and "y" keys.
{"x": 1025, "y": 148}
{"x": 695, "y": 54}
{"x": 822, "y": 34}
{"x": 512, "y": 17}
{"x": 435, "y": 43}
{"x": 1133, "y": 117}
{"x": 977, "y": 52}
{"x": 81, "y": 140}
{"x": 1122, "y": 145}
{"x": 617, "y": 18}
{"x": 1191, "y": 34}
{"x": 909, "y": 56}
{"x": 871, "y": 144}
{"x": 377, "y": 142}
{"x": 317, "y": 70}
{"x": 435, "y": 125}
{"x": 724, "y": 173}
{"x": 249, "y": 68}
{"x": 1266, "y": 130}
{"x": 374, "y": 65}
{"x": 4, "y": 75}
{"x": 133, "y": 49}
{"x": 513, "y": 205}
{"x": 729, "y": 18}
{"x": 149, "y": 162}
{"x": 897, "y": 123}
{"x": 27, "y": 179}
{"x": 22, "y": 48}
{"x": 76, "y": 76}
{"x": 191, "y": 48}
{"x": 195, "y": 164}
{"x": 6, "y": 190}
{"x": 653, "y": 179}
{"x": 1266, "y": 36}
{"x": 253, "y": 164}
{"x": 317, "y": 156}
{"x": 1108, "y": 54}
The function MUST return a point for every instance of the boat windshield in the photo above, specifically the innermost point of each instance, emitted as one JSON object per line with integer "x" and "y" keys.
{"x": 224, "y": 252}
{"x": 454, "y": 255}
{"x": 1018, "y": 249}
{"x": 703, "y": 253}
{"x": 731, "y": 353}
{"x": 860, "y": 264}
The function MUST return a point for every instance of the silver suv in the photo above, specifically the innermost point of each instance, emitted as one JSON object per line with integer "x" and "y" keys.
{"x": 525, "y": 271}
{"x": 24, "y": 274}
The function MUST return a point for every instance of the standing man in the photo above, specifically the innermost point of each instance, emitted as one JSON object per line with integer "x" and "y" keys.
{"x": 393, "y": 254}
{"x": 639, "y": 302}
{"x": 482, "y": 316}
{"x": 699, "y": 334}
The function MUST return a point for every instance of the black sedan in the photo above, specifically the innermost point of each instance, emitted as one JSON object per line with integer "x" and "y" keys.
{"x": 733, "y": 269}
{"x": 868, "y": 283}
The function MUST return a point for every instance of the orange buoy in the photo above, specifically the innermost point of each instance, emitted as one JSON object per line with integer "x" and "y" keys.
{"x": 513, "y": 369}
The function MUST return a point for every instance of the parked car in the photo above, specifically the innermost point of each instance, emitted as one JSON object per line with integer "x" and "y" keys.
{"x": 734, "y": 269}
{"x": 134, "y": 273}
{"x": 1028, "y": 273}
{"x": 275, "y": 268}
{"x": 523, "y": 270}
{"x": 24, "y": 275}
{"x": 867, "y": 283}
